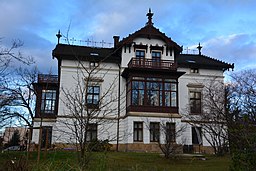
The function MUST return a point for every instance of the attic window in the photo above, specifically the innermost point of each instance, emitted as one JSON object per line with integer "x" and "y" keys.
{"x": 94, "y": 54}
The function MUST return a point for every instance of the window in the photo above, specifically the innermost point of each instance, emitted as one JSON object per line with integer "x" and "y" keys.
{"x": 170, "y": 132}
{"x": 140, "y": 54}
{"x": 46, "y": 136}
{"x": 48, "y": 101}
{"x": 197, "y": 135}
{"x": 138, "y": 131}
{"x": 170, "y": 94}
{"x": 195, "y": 102}
{"x": 194, "y": 70}
{"x": 92, "y": 132}
{"x": 152, "y": 92}
{"x": 154, "y": 131}
{"x": 93, "y": 96}
{"x": 156, "y": 57}
{"x": 93, "y": 64}
{"x": 138, "y": 89}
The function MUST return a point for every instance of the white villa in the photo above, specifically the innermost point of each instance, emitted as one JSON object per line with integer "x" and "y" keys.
{"x": 138, "y": 85}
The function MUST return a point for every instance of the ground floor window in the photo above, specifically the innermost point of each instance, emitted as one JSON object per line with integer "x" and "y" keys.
{"x": 197, "y": 135}
{"x": 154, "y": 131}
{"x": 46, "y": 137}
{"x": 92, "y": 132}
{"x": 170, "y": 132}
{"x": 138, "y": 131}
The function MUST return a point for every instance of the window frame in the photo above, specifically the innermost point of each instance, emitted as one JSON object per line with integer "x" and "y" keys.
{"x": 195, "y": 102}
{"x": 139, "y": 131}
{"x": 162, "y": 92}
{"x": 44, "y": 136}
{"x": 47, "y": 103}
{"x": 156, "y": 58}
{"x": 195, "y": 140}
{"x": 94, "y": 95}
{"x": 154, "y": 131}
{"x": 139, "y": 56}
{"x": 92, "y": 132}
{"x": 171, "y": 132}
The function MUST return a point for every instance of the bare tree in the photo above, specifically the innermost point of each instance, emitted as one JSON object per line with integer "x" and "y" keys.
{"x": 17, "y": 98}
{"x": 8, "y": 92}
{"x": 241, "y": 120}
{"x": 171, "y": 131}
{"x": 89, "y": 107}
{"x": 7, "y": 55}
{"x": 212, "y": 119}
{"x": 167, "y": 134}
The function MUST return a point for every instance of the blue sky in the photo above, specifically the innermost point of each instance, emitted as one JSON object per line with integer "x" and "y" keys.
{"x": 225, "y": 29}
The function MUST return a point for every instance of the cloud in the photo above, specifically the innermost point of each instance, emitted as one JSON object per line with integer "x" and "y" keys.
{"x": 236, "y": 48}
{"x": 225, "y": 28}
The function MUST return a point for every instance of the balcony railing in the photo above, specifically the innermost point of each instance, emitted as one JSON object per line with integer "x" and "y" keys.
{"x": 46, "y": 78}
{"x": 152, "y": 63}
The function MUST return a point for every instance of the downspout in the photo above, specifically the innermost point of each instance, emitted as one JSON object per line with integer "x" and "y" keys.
{"x": 118, "y": 108}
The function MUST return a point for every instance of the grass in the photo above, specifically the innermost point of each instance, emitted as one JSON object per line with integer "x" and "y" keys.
{"x": 120, "y": 161}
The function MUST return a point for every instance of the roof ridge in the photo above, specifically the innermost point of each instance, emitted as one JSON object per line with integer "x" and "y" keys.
{"x": 215, "y": 59}
{"x": 92, "y": 47}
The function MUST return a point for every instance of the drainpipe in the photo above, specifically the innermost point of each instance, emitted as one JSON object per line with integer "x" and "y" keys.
{"x": 118, "y": 108}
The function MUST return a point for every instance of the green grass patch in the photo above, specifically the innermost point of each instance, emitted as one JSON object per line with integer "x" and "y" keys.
{"x": 120, "y": 161}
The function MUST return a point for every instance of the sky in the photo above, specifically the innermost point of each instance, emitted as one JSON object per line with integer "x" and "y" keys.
{"x": 225, "y": 28}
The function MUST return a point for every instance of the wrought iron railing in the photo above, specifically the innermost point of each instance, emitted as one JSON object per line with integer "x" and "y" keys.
{"x": 47, "y": 78}
{"x": 152, "y": 63}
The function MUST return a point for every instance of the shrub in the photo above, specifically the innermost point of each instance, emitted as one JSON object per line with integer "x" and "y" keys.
{"x": 99, "y": 145}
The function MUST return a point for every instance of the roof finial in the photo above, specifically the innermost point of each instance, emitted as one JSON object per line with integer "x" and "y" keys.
{"x": 199, "y": 47}
{"x": 149, "y": 14}
{"x": 58, "y": 36}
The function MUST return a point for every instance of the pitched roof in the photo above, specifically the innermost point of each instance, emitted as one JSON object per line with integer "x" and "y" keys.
{"x": 149, "y": 31}
{"x": 73, "y": 52}
{"x": 202, "y": 61}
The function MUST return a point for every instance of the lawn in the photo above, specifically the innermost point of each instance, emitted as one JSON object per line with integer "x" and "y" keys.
{"x": 115, "y": 161}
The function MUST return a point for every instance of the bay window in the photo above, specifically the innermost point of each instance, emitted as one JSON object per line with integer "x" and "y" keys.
{"x": 143, "y": 91}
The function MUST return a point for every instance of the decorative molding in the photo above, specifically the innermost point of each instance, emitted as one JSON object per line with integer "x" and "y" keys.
{"x": 195, "y": 85}
{"x": 149, "y": 114}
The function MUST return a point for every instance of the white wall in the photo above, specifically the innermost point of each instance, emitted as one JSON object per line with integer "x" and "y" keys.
{"x": 71, "y": 72}
{"x": 126, "y": 57}
{"x": 204, "y": 77}
{"x": 128, "y": 131}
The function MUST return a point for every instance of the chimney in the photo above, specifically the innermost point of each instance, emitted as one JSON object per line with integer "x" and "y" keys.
{"x": 116, "y": 40}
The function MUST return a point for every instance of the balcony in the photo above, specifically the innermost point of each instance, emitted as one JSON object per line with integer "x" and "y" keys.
{"x": 151, "y": 63}
{"x": 47, "y": 78}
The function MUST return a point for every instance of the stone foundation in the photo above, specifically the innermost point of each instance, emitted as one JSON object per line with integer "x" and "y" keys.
{"x": 140, "y": 147}
{"x": 134, "y": 147}
{"x": 203, "y": 149}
